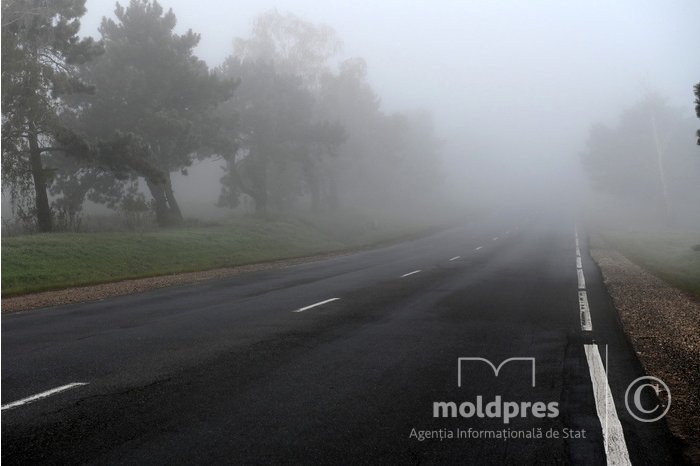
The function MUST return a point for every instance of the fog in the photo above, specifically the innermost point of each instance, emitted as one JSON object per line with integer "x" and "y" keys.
{"x": 513, "y": 88}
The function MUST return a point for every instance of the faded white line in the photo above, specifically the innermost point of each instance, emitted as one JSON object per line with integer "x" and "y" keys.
{"x": 495, "y": 238}
{"x": 578, "y": 263}
{"x": 455, "y": 258}
{"x": 585, "y": 312}
{"x": 613, "y": 436}
{"x": 41, "y": 395}
{"x": 410, "y": 273}
{"x": 581, "y": 279}
{"x": 321, "y": 303}
{"x": 478, "y": 248}
{"x": 578, "y": 252}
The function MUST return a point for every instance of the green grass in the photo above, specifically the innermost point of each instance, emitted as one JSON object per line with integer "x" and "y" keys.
{"x": 41, "y": 262}
{"x": 667, "y": 254}
{"x": 59, "y": 260}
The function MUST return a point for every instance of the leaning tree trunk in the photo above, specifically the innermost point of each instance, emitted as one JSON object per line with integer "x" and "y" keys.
{"x": 167, "y": 211}
{"x": 160, "y": 202}
{"x": 43, "y": 210}
{"x": 174, "y": 208}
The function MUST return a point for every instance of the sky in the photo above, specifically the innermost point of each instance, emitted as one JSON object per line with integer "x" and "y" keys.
{"x": 511, "y": 84}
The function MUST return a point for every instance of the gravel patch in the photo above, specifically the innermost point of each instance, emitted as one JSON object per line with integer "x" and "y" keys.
{"x": 663, "y": 324}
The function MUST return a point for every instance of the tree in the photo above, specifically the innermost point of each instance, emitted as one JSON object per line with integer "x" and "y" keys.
{"x": 283, "y": 138}
{"x": 41, "y": 51}
{"x": 273, "y": 112}
{"x": 296, "y": 47}
{"x": 400, "y": 147}
{"x": 306, "y": 130}
{"x": 321, "y": 141}
{"x": 697, "y": 107}
{"x": 152, "y": 87}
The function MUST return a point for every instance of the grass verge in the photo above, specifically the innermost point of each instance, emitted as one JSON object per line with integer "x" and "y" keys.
{"x": 668, "y": 254}
{"x": 44, "y": 262}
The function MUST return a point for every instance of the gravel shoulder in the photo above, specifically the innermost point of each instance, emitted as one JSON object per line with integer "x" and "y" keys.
{"x": 663, "y": 324}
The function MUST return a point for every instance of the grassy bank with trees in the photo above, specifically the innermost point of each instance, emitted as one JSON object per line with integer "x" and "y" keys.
{"x": 292, "y": 129}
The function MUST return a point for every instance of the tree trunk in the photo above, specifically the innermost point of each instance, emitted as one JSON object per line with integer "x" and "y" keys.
{"x": 315, "y": 194}
{"x": 259, "y": 180}
{"x": 167, "y": 210}
{"x": 43, "y": 210}
{"x": 332, "y": 198}
{"x": 313, "y": 181}
{"x": 174, "y": 208}
{"x": 260, "y": 199}
{"x": 161, "y": 203}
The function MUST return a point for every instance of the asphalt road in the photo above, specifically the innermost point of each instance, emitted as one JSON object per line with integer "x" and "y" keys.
{"x": 226, "y": 372}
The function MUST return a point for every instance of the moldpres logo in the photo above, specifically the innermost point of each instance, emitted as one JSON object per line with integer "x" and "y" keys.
{"x": 495, "y": 407}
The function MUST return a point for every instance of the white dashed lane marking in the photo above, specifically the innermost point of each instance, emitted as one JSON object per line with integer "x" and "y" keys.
{"x": 584, "y": 311}
{"x": 321, "y": 303}
{"x": 581, "y": 279}
{"x": 41, "y": 395}
{"x": 455, "y": 258}
{"x": 410, "y": 273}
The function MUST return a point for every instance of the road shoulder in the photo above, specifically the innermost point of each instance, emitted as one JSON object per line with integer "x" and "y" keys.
{"x": 663, "y": 324}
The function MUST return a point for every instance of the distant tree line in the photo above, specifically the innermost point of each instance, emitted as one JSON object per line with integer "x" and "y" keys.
{"x": 648, "y": 158}
{"x": 99, "y": 120}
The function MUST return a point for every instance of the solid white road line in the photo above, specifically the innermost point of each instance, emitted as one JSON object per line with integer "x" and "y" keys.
{"x": 578, "y": 263}
{"x": 316, "y": 305}
{"x": 578, "y": 252}
{"x": 581, "y": 279}
{"x": 477, "y": 248}
{"x": 410, "y": 273}
{"x": 584, "y": 311}
{"x": 455, "y": 258}
{"x": 41, "y": 395}
{"x": 613, "y": 436}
